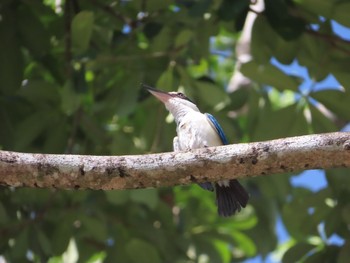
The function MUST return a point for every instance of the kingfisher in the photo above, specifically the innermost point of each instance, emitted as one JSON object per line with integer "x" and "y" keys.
{"x": 199, "y": 130}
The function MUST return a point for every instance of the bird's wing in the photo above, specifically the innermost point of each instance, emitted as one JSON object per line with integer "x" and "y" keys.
{"x": 217, "y": 127}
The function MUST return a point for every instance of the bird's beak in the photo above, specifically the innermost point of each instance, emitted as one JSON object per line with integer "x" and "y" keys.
{"x": 159, "y": 94}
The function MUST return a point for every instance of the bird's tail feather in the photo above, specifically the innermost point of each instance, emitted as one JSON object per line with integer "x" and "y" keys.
{"x": 230, "y": 198}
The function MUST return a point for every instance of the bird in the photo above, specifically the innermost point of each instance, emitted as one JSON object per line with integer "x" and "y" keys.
{"x": 199, "y": 130}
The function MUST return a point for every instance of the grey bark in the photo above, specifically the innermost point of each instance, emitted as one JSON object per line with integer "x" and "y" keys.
{"x": 322, "y": 151}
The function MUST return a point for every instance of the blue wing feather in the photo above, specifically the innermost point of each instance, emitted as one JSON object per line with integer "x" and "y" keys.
{"x": 207, "y": 185}
{"x": 230, "y": 199}
{"x": 218, "y": 128}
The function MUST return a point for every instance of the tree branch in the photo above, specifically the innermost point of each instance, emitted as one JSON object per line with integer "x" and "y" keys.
{"x": 293, "y": 154}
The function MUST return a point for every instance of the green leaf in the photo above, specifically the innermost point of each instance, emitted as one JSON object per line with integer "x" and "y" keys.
{"x": 82, "y": 27}
{"x": 281, "y": 99}
{"x": 61, "y": 236}
{"x": 140, "y": 251}
{"x": 264, "y": 40}
{"x": 303, "y": 224}
{"x": 238, "y": 98}
{"x": 97, "y": 257}
{"x": 335, "y": 100}
{"x": 207, "y": 247}
{"x": 341, "y": 13}
{"x": 322, "y": 8}
{"x": 201, "y": 44}
{"x": 263, "y": 233}
{"x": 163, "y": 40}
{"x": 282, "y": 20}
{"x": 229, "y": 10}
{"x": 293, "y": 119}
{"x": 152, "y": 29}
{"x": 275, "y": 187}
{"x": 241, "y": 222}
{"x": 199, "y": 8}
{"x": 245, "y": 243}
{"x": 155, "y": 6}
{"x": 40, "y": 91}
{"x": 95, "y": 227}
{"x": 21, "y": 245}
{"x": 45, "y": 243}
{"x": 127, "y": 97}
{"x": 55, "y": 259}
{"x": 297, "y": 252}
{"x": 269, "y": 75}
{"x": 338, "y": 179}
{"x": 185, "y": 78}
{"x": 335, "y": 222}
{"x": 338, "y": 66}
{"x": 221, "y": 247}
{"x": 199, "y": 70}
{"x": 315, "y": 55}
{"x": 148, "y": 197}
{"x": 212, "y": 95}
{"x": 70, "y": 100}
{"x": 327, "y": 254}
{"x": 56, "y": 134}
{"x": 285, "y": 51}
{"x": 344, "y": 253}
{"x": 31, "y": 128}
{"x": 117, "y": 197}
{"x": 3, "y": 214}
{"x": 165, "y": 81}
{"x": 320, "y": 123}
{"x": 11, "y": 61}
{"x": 346, "y": 213}
{"x": 343, "y": 78}
{"x": 33, "y": 33}
{"x": 183, "y": 38}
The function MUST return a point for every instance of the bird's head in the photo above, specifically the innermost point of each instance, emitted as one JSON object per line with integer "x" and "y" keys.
{"x": 176, "y": 102}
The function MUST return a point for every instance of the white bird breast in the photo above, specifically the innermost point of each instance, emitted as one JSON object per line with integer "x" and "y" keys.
{"x": 195, "y": 131}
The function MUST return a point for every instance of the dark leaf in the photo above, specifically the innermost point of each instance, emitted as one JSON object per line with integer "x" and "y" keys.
{"x": 281, "y": 20}
{"x": 297, "y": 252}
{"x": 230, "y": 10}
{"x": 335, "y": 100}
{"x": 269, "y": 75}
{"x": 11, "y": 60}
{"x": 34, "y": 35}
{"x": 145, "y": 251}
{"x": 82, "y": 26}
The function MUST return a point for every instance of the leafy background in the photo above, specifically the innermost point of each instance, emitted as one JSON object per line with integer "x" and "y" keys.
{"x": 70, "y": 75}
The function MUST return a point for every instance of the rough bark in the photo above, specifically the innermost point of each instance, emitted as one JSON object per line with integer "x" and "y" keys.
{"x": 293, "y": 154}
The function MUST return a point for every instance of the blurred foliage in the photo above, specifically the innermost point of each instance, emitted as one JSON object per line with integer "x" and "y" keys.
{"x": 70, "y": 75}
